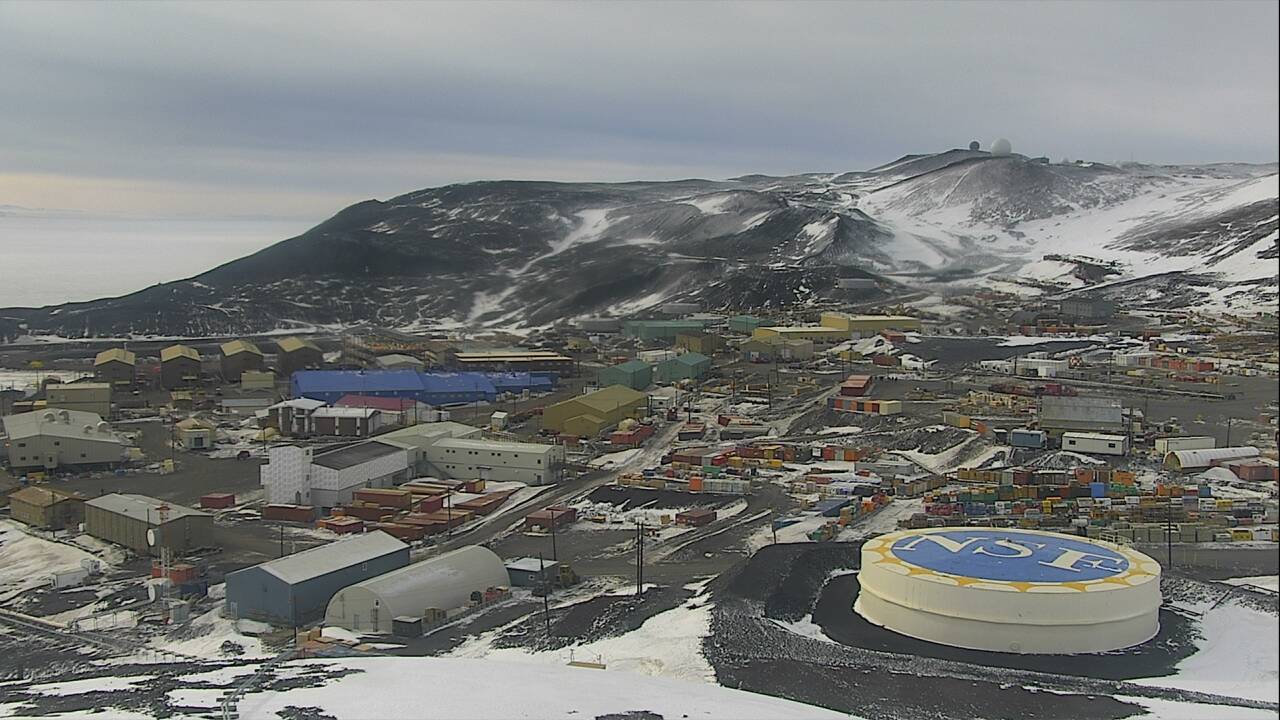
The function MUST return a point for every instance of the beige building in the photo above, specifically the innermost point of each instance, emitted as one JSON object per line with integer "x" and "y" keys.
{"x": 85, "y": 397}
{"x": 295, "y": 354}
{"x": 48, "y": 439}
{"x": 239, "y": 356}
{"x": 145, "y": 524}
{"x": 589, "y": 415}
{"x": 115, "y": 366}
{"x": 819, "y": 335}
{"x": 705, "y": 343}
{"x": 47, "y": 508}
{"x": 179, "y": 367}
{"x": 776, "y": 348}
{"x": 866, "y": 325}
{"x": 195, "y": 434}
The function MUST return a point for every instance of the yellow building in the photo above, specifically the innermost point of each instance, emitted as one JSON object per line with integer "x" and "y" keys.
{"x": 865, "y": 325}
{"x": 819, "y": 335}
{"x": 589, "y": 415}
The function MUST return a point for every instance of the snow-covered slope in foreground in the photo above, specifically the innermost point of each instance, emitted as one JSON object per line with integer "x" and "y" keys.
{"x": 383, "y": 687}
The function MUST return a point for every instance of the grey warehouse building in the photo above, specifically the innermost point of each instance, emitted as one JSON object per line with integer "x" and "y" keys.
{"x": 126, "y": 519}
{"x": 296, "y": 589}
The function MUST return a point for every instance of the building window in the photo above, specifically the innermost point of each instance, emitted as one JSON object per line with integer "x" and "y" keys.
{"x": 82, "y": 454}
{"x": 56, "y": 443}
{"x": 22, "y": 444}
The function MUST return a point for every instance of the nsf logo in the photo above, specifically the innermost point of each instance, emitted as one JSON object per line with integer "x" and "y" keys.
{"x": 1009, "y": 555}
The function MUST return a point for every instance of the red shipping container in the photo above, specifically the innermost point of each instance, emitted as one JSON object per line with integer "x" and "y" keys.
{"x": 404, "y": 532}
{"x": 341, "y": 525}
{"x": 216, "y": 501}
{"x": 828, "y": 453}
{"x": 431, "y": 504}
{"x": 289, "y": 513}
{"x": 370, "y": 513}
{"x": 386, "y": 497}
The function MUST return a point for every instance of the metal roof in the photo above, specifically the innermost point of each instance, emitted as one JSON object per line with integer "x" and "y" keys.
{"x": 333, "y": 557}
{"x": 393, "y": 404}
{"x": 238, "y": 346}
{"x": 510, "y": 355}
{"x": 301, "y": 403}
{"x": 353, "y": 455}
{"x": 531, "y": 564}
{"x": 1204, "y": 458}
{"x": 632, "y": 366}
{"x": 42, "y": 496}
{"x": 609, "y": 399}
{"x": 341, "y": 412}
{"x": 173, "y": 352}
{"x": 294, "y": 344}
{"x": 142, "y": 507}
{"x": 115, "y": 355}
{"x": 59, "y": 422}
{"x": 493, "y": 445}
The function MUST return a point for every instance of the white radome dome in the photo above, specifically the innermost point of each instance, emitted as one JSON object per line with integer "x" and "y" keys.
{"x": 1001, "y": 147}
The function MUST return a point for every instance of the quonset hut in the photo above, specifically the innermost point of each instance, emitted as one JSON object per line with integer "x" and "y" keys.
{"x": 442, "y": 583}
{"x": 1004, "y": 590}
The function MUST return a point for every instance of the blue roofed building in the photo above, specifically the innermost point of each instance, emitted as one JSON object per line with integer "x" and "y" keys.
{"x": 516, "y": 382}
{"x": 431, "y": 388}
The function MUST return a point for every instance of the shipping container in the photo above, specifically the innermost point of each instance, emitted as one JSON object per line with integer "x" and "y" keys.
{"x": 217, "y": 501}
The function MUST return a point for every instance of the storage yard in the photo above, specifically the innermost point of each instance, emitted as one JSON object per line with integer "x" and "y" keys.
{"x": 650, "y": 493}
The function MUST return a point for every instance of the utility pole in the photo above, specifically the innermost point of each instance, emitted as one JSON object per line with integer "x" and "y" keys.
{"x": 1228, "y": 432}
{"x": 281, "y": 540}
{"x": 546, "y": 591}
{"x": 1168, "y": 533}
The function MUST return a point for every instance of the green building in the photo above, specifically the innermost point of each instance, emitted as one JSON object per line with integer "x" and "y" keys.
{"x": 634, "y": 374}
{"x": 745, "y": 324}
{"x": 660, "y": 329}
{"x": 689, "y": 366}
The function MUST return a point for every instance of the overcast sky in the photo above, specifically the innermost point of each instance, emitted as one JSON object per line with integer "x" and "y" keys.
{"x": 292, "y": 109}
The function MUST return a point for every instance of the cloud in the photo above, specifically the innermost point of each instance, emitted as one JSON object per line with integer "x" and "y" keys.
{"x": 288, "y": 107}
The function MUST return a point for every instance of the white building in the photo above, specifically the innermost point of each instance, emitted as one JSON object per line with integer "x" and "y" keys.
{"x": 1095, "y": 443}
{"x": 454, "y": 450}
{"x": 1041, "y": 367}
{"x": 48, "y": 439}
{"x": 295, "y": 476}
{"x": 446, "y": 582}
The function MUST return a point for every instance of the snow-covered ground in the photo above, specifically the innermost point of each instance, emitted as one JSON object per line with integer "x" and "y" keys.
{"x": 668, "y": 644}
{"x": 1238, "y": 655}
{"x": 24, "y": 379}
{"x": 615, "y": 459}
{"x": 27, "y": 562}
{"x": 380, "y": 690}
{"x": 1268, "y": 583}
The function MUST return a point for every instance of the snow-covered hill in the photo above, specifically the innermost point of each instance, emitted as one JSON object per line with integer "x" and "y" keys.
{"x": 528, "y": 254}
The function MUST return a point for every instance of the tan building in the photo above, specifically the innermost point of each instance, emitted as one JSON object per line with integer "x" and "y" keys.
{"x": 195, "y": 434}
{"x": 589, "y": 415}
{"x": 819, "y": 335}
{"x": 776, "y": 348}
{"x": 48, "y": 439}
{"x": 179, "y": 367}
{"x": 295, "y": 354}
{"x": 146, "y": 525}
{"x": 239, "y": 356}
{"x": 513, "y": 361}
{"x": 85, "y": 397}
{"x": 867, "y": 325}
{"x": 115, "y": 366}
{"x": 704, "y": 343}
{"x": 47, "y": 508}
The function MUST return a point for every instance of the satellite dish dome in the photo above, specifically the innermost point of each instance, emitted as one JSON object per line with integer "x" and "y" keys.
{"x": 975, "y": 146}
{"x": 64, "y": 416}
{"x": 104, "y": 426}
{"x": 88, "y": 429}
{"x": 1001, "y": 147}
{"x": 48, "y": 416}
